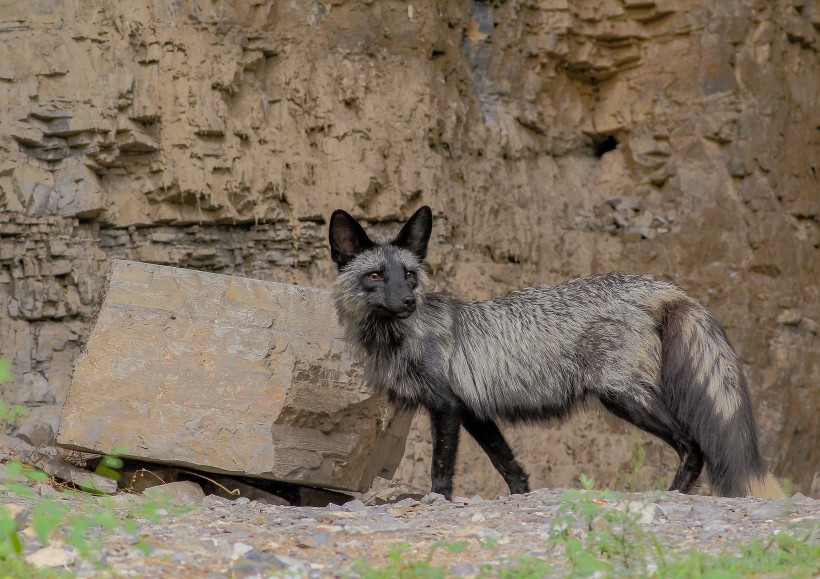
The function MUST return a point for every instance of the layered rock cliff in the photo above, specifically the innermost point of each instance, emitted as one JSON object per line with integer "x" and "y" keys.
{"x": 554, "y": 138}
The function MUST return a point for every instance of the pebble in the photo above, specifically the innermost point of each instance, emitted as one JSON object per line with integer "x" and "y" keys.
{"x": 51, "y": 557}
{"x": 179, "y": 493}
{"x": 354, "y": 506}
{"x": 643, "y": 512}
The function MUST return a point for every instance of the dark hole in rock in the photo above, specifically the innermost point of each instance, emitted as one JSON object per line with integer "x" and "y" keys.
{"x": 603, "y": 144}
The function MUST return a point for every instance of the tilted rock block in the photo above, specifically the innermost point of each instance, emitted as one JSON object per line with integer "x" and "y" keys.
{"x": 229, "y": 375}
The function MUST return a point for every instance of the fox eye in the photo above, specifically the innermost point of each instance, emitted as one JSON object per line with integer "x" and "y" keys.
{"x": 409, "y": 275}
{"x": 375, "y": 276}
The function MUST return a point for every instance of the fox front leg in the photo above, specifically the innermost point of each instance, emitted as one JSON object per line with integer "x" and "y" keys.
{"x": 445, "y": 425}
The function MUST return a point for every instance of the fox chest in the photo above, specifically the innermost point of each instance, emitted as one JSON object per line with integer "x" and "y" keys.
{"x": 411, "y": 381}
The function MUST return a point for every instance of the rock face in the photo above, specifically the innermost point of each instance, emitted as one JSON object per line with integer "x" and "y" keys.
{"x": 230, "y": 375}
{"x": 554, "y": 138}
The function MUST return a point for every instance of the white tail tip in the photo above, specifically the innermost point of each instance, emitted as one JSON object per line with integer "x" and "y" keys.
{"x": 765, "y": 488}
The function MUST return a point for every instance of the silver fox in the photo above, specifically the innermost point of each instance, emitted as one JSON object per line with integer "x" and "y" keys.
{"x": 651, "y": 354}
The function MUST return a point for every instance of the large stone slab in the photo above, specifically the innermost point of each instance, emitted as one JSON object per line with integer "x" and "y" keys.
{"x": 229, "y": 375}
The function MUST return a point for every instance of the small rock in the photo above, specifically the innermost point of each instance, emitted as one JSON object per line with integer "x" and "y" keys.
{"x": 408, "y": 502}
{"x": 216, "y": 547}
{"x": 239, "y": 549}
{"x": 51, "y": 557}
{"x": 333, "y": 516}
{"x": 464, "y": 570}
{"x": 621, "y": 220}
{"x": 37, "y": 433}
{"x": 629, "y": 202}
{"x": 19, "y": 513}
{"x": 433, "y": 499}
{"x": 354, "y": 506}
{"x": 403, "y": 506}
{"x": 248, "y": 570}
{"x": 384, "y": 491}
{"x": 66, "y": 471}
{"x": 180, "y": 493}
{"x": 263, "y": 557}
{"x": 644, "y": 512}
{"x": 367, "y": 527}
{"x": 800, "y": 499}
{"x": 674, "y": 512}
{"x": 290, "y": 563}
{"x": 314, "y": 541}
{"x": 713, "y": 530}
{"x": 766, "y": 512}
{"x": 214, "y": 500}
{"x": 121, "y": 500}
{"x": 45, "y": 490}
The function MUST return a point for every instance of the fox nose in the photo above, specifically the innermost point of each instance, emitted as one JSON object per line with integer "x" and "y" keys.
{"x": 410, "y": 302}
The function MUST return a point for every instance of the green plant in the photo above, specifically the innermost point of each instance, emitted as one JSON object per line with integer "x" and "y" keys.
{"x": 10, "y": 541}
{"x": 81, "y": 525}
{"x": 610, "y": 541}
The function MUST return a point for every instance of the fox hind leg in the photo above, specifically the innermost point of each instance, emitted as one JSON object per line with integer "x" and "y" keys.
{"x": 652, "y": 416}
{"x": 691, "y": 465}
{"x": 492, "y": 442}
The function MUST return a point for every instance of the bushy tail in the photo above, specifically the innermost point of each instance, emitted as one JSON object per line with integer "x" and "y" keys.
{"x": 704, "y": 387}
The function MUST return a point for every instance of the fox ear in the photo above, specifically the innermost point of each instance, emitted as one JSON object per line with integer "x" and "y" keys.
{"x": 416, "y": 232}
{"x": 347, "y": 238}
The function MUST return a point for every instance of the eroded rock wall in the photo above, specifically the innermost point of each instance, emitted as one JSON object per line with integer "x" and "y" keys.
{"x": 553, "y": 139}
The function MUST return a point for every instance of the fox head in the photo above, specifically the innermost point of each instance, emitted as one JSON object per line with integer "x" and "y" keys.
{"x": 384, "y": 279}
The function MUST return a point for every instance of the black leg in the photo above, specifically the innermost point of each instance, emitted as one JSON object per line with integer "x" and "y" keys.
{"x": 691, "y": 464}
{"x": 489, "y": 437}
{"x": 445, "y": 425}
{"x": 655, "y": 419}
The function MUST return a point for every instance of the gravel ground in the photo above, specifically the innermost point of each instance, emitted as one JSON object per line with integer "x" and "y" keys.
{"x": 468, "y": 537}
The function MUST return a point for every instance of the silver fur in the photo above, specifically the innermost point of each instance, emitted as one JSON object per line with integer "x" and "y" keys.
{"x": 649, "y": 352}
{"x": 539, "y": 347}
